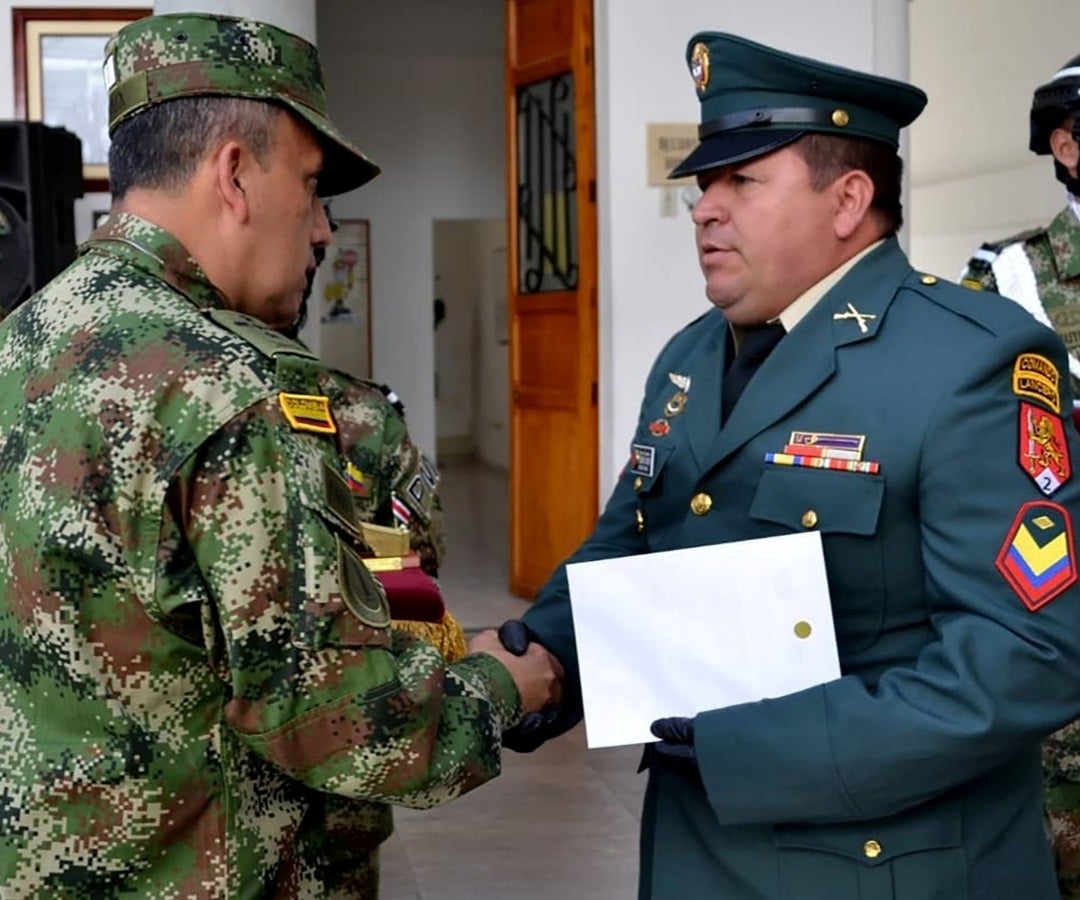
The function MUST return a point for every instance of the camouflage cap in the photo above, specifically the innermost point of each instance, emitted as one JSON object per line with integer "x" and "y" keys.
{"x": 160, "y": 58}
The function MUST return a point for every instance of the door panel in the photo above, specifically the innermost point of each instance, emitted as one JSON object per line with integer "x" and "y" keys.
{"x": 552, "y": 284}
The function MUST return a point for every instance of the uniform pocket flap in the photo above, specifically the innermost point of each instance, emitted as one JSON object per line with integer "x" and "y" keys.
{"x": 936, "y": 826}
{"x": 824, "y": 499}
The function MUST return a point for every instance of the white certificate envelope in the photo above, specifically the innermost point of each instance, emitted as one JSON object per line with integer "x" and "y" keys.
{"x": 682, "y": 631}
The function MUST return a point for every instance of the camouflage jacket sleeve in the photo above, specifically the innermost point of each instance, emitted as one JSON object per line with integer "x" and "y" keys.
{"x": 298, "y": 630}
{"x": 393, "y": 481}
{"x": 414, "y": 482}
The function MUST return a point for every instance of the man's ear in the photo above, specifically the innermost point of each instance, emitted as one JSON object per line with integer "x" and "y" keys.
{"x": 1064, "y": 147}
{"x": 854, "y": 193}
{"x": 230, "y": 163}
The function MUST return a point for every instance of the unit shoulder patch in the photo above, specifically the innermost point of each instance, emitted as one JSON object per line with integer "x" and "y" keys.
{"x": 1043, "y": 452}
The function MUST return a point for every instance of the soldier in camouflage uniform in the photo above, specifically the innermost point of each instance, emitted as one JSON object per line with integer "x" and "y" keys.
{"x": 199, "y": 690}
{"x": 1040, "y": 270}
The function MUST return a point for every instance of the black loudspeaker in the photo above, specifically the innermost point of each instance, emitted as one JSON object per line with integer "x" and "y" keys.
{"x": 40, "y": 178}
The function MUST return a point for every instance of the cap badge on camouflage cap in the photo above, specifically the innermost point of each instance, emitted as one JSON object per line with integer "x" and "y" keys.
{"x": 699, "y": 65}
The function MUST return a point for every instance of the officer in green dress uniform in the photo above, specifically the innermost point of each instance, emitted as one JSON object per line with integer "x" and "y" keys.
{"x": 832, "y": 388}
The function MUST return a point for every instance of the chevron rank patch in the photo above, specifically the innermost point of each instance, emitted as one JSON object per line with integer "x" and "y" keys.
{"x": 1036, "y": 377}
{"x": 1043, "y": 452}
{"x": 308, "y": 412}
{"x": 1038, "y": 559}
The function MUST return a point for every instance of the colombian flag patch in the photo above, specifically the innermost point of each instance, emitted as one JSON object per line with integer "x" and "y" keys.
{"x": 308, "y": 412}
{"x": 1038, "y": 558}
{"x": 356, "y": 480}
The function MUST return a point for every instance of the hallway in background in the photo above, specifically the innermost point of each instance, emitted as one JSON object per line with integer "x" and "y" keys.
{"x": 474, "y": 575}
{"x": 558, "y": 824}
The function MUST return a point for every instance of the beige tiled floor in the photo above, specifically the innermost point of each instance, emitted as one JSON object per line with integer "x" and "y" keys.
{"x": 558, "y": 824}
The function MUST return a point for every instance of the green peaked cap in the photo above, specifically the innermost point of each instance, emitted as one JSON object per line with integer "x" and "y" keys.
{"x": 755, "y": 99}
{"x": 160, "y": 58}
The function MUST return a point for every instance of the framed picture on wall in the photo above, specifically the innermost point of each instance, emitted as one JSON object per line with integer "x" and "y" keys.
{"x": 59, "y": 54}
{"x": 341, "y": 298}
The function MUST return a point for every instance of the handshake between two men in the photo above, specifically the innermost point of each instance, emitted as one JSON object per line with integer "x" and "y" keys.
{"x": 539, "y": 677}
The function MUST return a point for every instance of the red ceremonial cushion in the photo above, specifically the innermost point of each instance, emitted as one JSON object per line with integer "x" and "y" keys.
{"x": 413, "y": 595}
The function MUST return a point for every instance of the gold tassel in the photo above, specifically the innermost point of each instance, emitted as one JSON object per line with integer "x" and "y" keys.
{"x": 447, "y": 636}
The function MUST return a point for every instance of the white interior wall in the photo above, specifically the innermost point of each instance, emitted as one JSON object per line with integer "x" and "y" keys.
{"x": 419, "y": 86}
{"x": 491, "y": 430}
{"x": 471, "y": 352}
{"x": 457, "y": 273}
{"x": 650, "y": 284}
{"x": 973, "y": 178}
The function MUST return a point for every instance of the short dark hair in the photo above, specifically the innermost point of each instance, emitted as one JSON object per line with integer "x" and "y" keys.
{"x": 829, "y": 156}
{"x": 161, "y": 147}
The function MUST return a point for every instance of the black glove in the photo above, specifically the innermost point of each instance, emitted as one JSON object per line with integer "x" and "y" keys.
{"x": 676, "y": 746}
{"x": 515, "y": 636}
{"x": 534, "y": 728}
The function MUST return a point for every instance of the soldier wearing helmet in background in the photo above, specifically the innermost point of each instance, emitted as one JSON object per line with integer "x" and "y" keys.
{"x": 1040, "y": 270}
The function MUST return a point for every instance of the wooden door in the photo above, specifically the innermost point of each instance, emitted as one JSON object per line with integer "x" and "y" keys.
{"x": 552, "y": 271}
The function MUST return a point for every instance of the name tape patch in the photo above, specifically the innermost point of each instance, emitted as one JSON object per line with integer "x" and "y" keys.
{"x": 642, "y": 459}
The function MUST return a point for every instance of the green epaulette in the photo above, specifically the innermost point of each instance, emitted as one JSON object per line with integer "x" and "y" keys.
{"x": 258, "y": 334}
{"x": 297, "y": 368}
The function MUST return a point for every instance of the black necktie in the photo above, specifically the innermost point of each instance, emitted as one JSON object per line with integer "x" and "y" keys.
{"x": 756, "y": 344}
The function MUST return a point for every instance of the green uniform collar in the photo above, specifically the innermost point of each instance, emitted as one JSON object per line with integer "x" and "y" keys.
{"x": 152, "y": 249}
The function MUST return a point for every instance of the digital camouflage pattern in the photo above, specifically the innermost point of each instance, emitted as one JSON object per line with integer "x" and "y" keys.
{"x": 160, "y": 58}
{"x": 199, "y": 690}
{"x": 1054, "y": 255}
{"x": 385, "y": 462}
{"x": 382, "y": 463}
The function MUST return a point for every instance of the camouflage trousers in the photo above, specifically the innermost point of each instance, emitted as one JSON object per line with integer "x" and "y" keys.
{"x": 1061, "y": 775}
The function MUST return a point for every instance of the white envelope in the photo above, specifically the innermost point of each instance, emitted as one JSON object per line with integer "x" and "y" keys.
{"x": 679, "y": 632}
